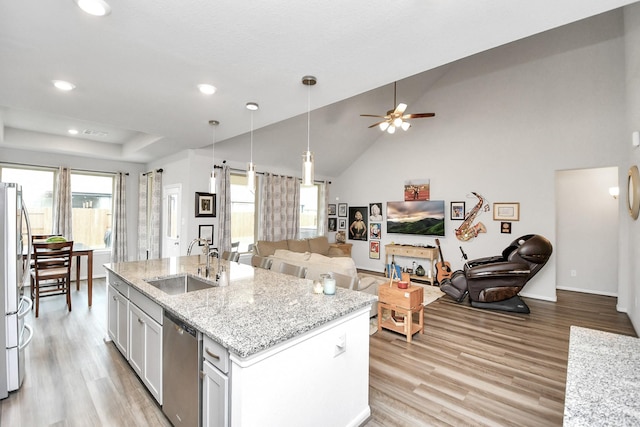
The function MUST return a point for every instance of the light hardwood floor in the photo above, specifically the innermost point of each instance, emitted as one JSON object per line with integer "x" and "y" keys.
{"x": 471, "y": 367}
{"x": 477, "y": 367}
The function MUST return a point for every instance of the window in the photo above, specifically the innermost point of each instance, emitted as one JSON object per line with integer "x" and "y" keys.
{"x": 243, "y": 213}
{"x": 37, "y": 194}
{"x": 91, "y": 202}
{"x": 309, "y": 211}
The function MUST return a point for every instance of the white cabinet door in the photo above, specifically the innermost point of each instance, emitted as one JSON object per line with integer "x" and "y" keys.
{"x": 118, "y": 324}
{"x": 152, "y": 375}
{"x": 136, "y": 338}
{"x": 215, "y": 397}
{"x": 145, "y": 351}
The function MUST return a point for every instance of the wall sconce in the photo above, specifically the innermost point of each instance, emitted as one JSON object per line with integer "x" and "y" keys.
{"x": 614, "y": 192}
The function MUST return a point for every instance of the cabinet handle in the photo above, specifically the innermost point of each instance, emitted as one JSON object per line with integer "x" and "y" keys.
{"x": 140, "y": 321}
{"x": 114, "y": 297}
{"x": 215, "y": 356}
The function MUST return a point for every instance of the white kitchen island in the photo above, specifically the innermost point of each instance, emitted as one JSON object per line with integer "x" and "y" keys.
{"x": 294, "y": 357}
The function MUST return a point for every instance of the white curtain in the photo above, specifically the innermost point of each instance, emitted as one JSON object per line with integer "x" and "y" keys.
{"x": 119, "y": 223}
{"x": 149, "y": 208}
{"x": 279, "y": 207}
{"x": 62, "y": 210}
{"x": 323, "y": 200}
{"x": 224, "y": 220}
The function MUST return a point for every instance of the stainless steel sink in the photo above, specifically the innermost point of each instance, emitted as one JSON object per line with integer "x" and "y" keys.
{"x": 180, "y": 284}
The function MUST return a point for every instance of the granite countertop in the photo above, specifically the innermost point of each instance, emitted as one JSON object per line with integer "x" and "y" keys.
{"x": 257, "y": 310}
{"x": 603, "y": 379}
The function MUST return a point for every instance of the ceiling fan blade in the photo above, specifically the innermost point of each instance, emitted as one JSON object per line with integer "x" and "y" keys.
{"x": 376, "y": 124}
{"x": 400, "y": 108}
{"x": 418, "y": 115}
{"x": 371, "y": 115}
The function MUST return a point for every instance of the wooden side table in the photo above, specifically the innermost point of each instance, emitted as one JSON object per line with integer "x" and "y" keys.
{"x": 404, "y": 301}
{"x": 344, "y": 247}
{"x": 414, "y": 252}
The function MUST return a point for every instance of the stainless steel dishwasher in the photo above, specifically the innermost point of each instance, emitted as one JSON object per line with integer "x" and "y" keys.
{"x": 180, "y": 372}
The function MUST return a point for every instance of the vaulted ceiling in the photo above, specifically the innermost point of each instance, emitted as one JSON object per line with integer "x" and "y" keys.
{"x": 136, "y": 70}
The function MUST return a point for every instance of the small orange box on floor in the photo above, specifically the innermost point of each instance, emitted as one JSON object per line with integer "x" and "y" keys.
{"x": 405, "y": 298}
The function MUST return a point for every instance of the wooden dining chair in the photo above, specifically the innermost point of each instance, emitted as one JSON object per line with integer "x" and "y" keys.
{"x": 293, "y": 270}
{"x": 230, "y": 256}
{"x": 51, "y": 273}
{"x": 261, "y": 262}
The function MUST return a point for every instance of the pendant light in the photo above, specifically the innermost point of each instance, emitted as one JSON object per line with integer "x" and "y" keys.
{"x": 307, "y": 156}
{"x": 251, "y": 168}
{"x": 212, "y": 178}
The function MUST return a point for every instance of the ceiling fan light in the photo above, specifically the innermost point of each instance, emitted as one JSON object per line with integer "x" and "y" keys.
{"x": 405, "y": 125}
{"x": 391, "y": 129}
{"x": 397, "y": 122}
{"x": 383, "y": 126}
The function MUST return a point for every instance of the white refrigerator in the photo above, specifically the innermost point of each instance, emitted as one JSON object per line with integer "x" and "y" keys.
{"x": 15, "y": 334}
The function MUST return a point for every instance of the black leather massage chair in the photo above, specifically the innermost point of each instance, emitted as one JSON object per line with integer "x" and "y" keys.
{"x": 494, "y": 282}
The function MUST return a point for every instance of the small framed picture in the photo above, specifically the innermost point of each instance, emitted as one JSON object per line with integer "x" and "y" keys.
{"x": 375, "y": 230}
{"x": 505, "y": 227}
{"x": 205, "y": 205}
{"x": 506, "y": 211}
{"x": 457, "y": 211}
{"x": 342, "y": 223}
{"x": 374, "y": 249}
{"x": 205, "y": 232}
{"x": 331, "y": 209}
{"x": 331, "y": 225}
{"x": 342, "y": 209}
{"x": 375, "y": 212}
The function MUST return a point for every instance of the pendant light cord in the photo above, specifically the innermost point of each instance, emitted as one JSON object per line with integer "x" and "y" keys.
{"x": 213, "y": 148}
{"x": 308, "y": 116}
{"x": 251, "y": 137}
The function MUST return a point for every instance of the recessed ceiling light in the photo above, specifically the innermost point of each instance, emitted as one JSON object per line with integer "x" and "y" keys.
{"x": 62, "y": 85}
{"x": 207, "y": 89}
{"x": 253, "y": 106}
{"x": 94, "y": 7}
{"x": 73, "y": 131}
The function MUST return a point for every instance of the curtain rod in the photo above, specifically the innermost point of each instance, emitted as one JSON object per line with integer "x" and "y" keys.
{"x": 262, "y": 173}
{"x": 157, "y": 170}
{"x": 56, "y": 167}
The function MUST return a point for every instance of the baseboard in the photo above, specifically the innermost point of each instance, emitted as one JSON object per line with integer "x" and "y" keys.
{"x": 587, "y": 291}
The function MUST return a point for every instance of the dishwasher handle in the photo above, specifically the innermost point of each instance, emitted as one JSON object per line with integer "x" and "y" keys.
{"x": 180, "y": 325}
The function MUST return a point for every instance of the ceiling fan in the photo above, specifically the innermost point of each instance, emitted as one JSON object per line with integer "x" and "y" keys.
{"x": 396, "y": 118}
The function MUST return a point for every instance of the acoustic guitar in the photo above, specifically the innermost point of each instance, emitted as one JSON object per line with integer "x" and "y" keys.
{"x": 443, "y": 268}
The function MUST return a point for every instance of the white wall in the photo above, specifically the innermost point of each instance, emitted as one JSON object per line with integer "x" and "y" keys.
{"x": 506, "y": 121}
{"x": 587, "y": 217}
{"x": 191, "y": 169}
{"x": 629, "y": 277}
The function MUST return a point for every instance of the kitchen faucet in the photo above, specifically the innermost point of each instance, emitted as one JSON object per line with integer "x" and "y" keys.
{"x": 207, "y": 251}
